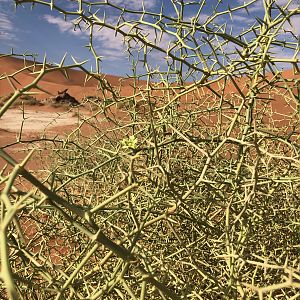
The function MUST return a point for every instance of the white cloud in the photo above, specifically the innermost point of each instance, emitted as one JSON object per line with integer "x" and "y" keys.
{"x": 243, "y": 19}
{"x": 295, "y": 25}
{"x": 110, "y": 45}
{"x": 258, "y": 4}
{"x": 64, "y": 26}
{"x": 254, "y": 7}
{"x": 135, "y": 4}
{"x": 295, "y": 20}
{"x": 6, "y": 28}
{"x": 106, "y": 42}
{"x": 257, "y": 9}
{"x": 293, "y": 5}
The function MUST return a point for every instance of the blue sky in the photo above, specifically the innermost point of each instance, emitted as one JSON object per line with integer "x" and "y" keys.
{"x": 43, "y": 31}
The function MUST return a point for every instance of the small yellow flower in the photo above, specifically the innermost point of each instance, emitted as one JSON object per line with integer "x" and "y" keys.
{"x": 129, "y": 143}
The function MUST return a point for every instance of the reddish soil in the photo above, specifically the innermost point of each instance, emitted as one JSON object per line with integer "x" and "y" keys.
{"x": 54, "y": 81}
{"x": 38, "y": 118}
{"x": 53, "y": 121}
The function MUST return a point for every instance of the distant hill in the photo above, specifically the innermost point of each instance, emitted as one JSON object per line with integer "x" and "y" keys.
{"x": 52, "y": 82}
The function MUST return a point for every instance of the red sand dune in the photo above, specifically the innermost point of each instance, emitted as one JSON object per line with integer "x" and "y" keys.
{"x": 75, "y": 83}
{"x": 56, "y": 81}
{"x": 52, "y": 82}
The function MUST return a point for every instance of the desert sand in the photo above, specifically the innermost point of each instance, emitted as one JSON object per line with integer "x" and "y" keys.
{"x": 36, "y": 121}
{"x": 49, "y": 120}
{"x": 52, "y": 82}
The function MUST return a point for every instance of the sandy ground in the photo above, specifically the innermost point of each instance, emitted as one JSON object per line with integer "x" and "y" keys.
{"x": 32, "y": 121}
{"x": 56, "y": 122}
{"x": 59, "y": 121}
{"x": 54, "y": 81}
{"x": 31, "y": 124}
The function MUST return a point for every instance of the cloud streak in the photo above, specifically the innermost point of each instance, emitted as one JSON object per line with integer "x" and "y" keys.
{"x": 135, "y": 4}
{"x": 293, "y": 5}
{"x": 106, "y": 42}
{"x": 64, "y": 26}
{"x": 7, "y": 30}
{"x": 258, "y": 5}
{"x": 295, "y": 25}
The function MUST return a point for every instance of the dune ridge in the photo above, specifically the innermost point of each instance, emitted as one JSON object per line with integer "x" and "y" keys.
{"x": 52, "y": 82}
